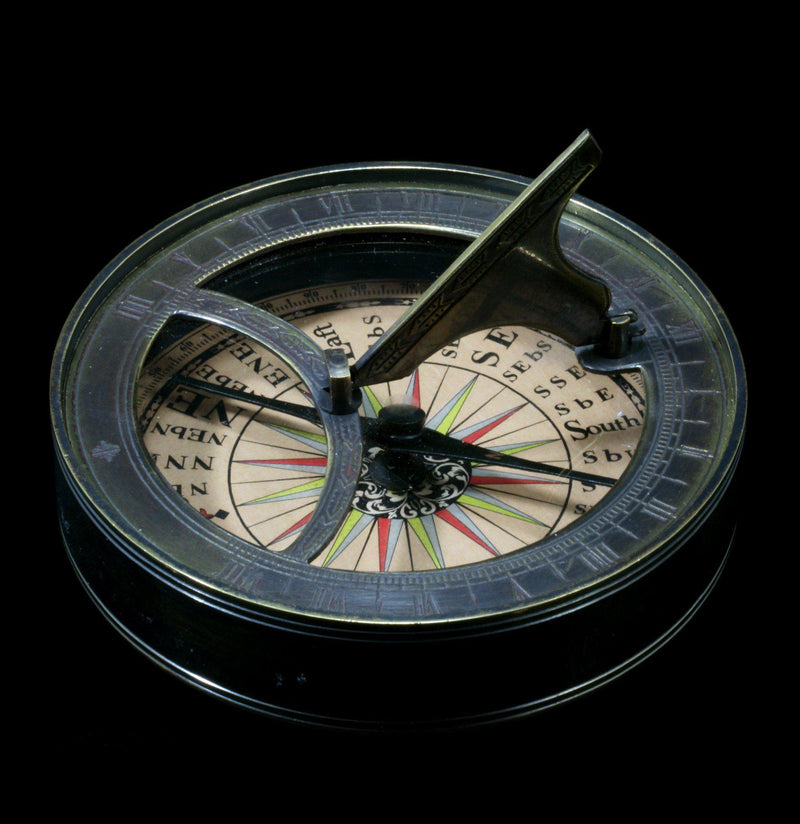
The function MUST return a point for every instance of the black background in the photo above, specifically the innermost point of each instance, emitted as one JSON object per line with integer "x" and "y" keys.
{"x": 679, "y": 154}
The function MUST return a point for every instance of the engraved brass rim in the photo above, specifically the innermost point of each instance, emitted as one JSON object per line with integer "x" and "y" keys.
{"x": 586, "y": 225}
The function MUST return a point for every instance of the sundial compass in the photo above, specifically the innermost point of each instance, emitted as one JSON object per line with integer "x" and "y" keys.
{"x": 333, "y": 430}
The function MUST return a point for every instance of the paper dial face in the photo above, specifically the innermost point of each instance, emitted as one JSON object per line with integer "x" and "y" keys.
{"x": 257, "y": 473}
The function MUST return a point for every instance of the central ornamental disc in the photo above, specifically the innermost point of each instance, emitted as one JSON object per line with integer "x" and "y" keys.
{"x": 421, "y": 485}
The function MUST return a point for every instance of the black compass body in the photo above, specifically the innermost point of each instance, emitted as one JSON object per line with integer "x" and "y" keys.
{"x": 513, "y": 523}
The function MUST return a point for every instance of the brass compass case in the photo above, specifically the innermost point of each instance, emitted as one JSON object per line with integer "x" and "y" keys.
{"x": 292, "y": 561}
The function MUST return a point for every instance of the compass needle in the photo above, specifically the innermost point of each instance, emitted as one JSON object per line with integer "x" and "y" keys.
{"x": 427, "y": 442}
{"x": 404, "y": 436}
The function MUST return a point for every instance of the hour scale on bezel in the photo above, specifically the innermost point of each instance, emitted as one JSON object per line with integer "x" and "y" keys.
{"x": 398, "y": 445}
